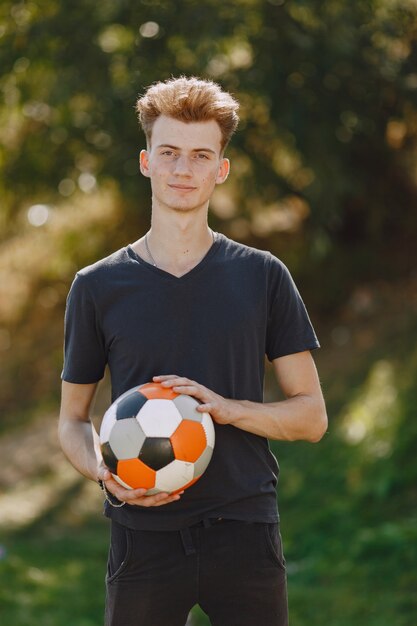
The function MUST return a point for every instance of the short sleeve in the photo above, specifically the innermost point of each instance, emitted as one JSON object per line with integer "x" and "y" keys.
{"x": 84, "y": 346}
{"x": 289, "y": 328}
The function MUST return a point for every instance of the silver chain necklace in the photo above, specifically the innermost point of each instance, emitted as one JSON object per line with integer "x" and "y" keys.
{"x": 150, "y": 254}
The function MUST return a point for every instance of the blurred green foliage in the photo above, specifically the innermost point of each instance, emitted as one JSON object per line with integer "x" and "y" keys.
{"x": 323, "y": 174}
{"x": 324, "y": 162}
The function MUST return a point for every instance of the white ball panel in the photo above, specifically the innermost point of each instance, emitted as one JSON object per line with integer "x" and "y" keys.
{"x": 187, "y": 407}
{"x": 159, "y": 418}
{"x": 202, "y": 462}
{"x": 209, "y": 429}
{"x": 174, "y": 475}
{"x": 107, "y": 423}
{"x": 126, "y": 438}
{"x": 121, "y": 482}
{"x": 153, "y": 492}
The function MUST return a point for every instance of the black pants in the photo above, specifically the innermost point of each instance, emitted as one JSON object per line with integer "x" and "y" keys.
{"x": 234, "y": 570}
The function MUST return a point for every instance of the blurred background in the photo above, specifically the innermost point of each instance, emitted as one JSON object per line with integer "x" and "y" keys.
{"x": 324, "y": 174}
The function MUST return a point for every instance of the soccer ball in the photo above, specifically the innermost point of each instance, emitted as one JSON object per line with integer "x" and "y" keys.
{"x": 155, "y": 439}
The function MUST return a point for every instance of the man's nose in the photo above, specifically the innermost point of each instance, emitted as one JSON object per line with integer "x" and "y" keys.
{"x": 182, "y": 165}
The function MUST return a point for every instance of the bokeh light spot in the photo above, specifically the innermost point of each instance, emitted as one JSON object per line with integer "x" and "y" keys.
{"x": 149, "y": 29}
{"x": 38, "y": 214}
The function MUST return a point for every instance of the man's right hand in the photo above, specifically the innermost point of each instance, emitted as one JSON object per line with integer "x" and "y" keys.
{"x": 133, "y": 496}
{"x": 81, "y": 444}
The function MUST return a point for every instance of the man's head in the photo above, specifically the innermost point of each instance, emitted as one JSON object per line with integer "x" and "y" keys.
{"x": 188, "y": 100}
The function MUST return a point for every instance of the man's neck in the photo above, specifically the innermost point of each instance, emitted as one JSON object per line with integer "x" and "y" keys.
{"x": 176, "y": 245}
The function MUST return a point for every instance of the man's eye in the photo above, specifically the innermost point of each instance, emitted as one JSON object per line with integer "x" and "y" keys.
{"x": 167, "y": 153}
{"x": 202, "y": 156}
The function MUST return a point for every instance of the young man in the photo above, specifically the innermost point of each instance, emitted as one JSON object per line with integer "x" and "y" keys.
{"x": 197, "y": 312}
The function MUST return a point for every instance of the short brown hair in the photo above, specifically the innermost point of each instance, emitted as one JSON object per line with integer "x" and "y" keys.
{"x": 188, "y": 99}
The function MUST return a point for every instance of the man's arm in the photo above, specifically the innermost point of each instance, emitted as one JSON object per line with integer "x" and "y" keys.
{"x": 81, "y": 445}
{"x": 301, "y": 416}
{"x": 77, "y": 435}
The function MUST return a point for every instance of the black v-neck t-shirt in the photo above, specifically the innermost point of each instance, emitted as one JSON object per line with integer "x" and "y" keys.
{"x": 215, "y": 324}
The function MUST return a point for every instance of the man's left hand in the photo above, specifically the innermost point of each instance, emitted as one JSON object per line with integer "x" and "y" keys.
{"x": 222, "y": 410}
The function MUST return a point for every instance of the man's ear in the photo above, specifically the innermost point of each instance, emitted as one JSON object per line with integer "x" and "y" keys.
{"x": 144, "y": 163}
{"x": 223, "y": 173}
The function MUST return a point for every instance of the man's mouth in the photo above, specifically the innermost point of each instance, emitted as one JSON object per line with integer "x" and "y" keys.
{"x": 182, "y": 187}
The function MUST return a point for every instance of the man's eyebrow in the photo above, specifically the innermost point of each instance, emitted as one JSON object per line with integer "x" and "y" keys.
{"x": 167, "y": 145}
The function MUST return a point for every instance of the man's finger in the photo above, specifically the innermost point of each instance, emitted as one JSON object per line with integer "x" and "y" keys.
{"x": 157, "y": 500}
{"x": 164, "y": 377}
{"x": 177, "y": 380}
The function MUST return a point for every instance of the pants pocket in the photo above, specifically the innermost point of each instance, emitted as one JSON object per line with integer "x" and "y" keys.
{"x": 274, "y": 544}
{"x": 119, "y": 552}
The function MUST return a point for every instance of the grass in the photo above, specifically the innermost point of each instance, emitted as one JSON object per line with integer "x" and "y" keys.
{"x": 54, "y": 575}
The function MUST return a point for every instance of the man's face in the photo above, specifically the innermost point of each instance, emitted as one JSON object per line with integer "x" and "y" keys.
{"x": 184, "y": 163}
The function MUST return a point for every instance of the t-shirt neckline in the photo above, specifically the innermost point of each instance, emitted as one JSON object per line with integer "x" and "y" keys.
{"x": 163, "y": 273}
